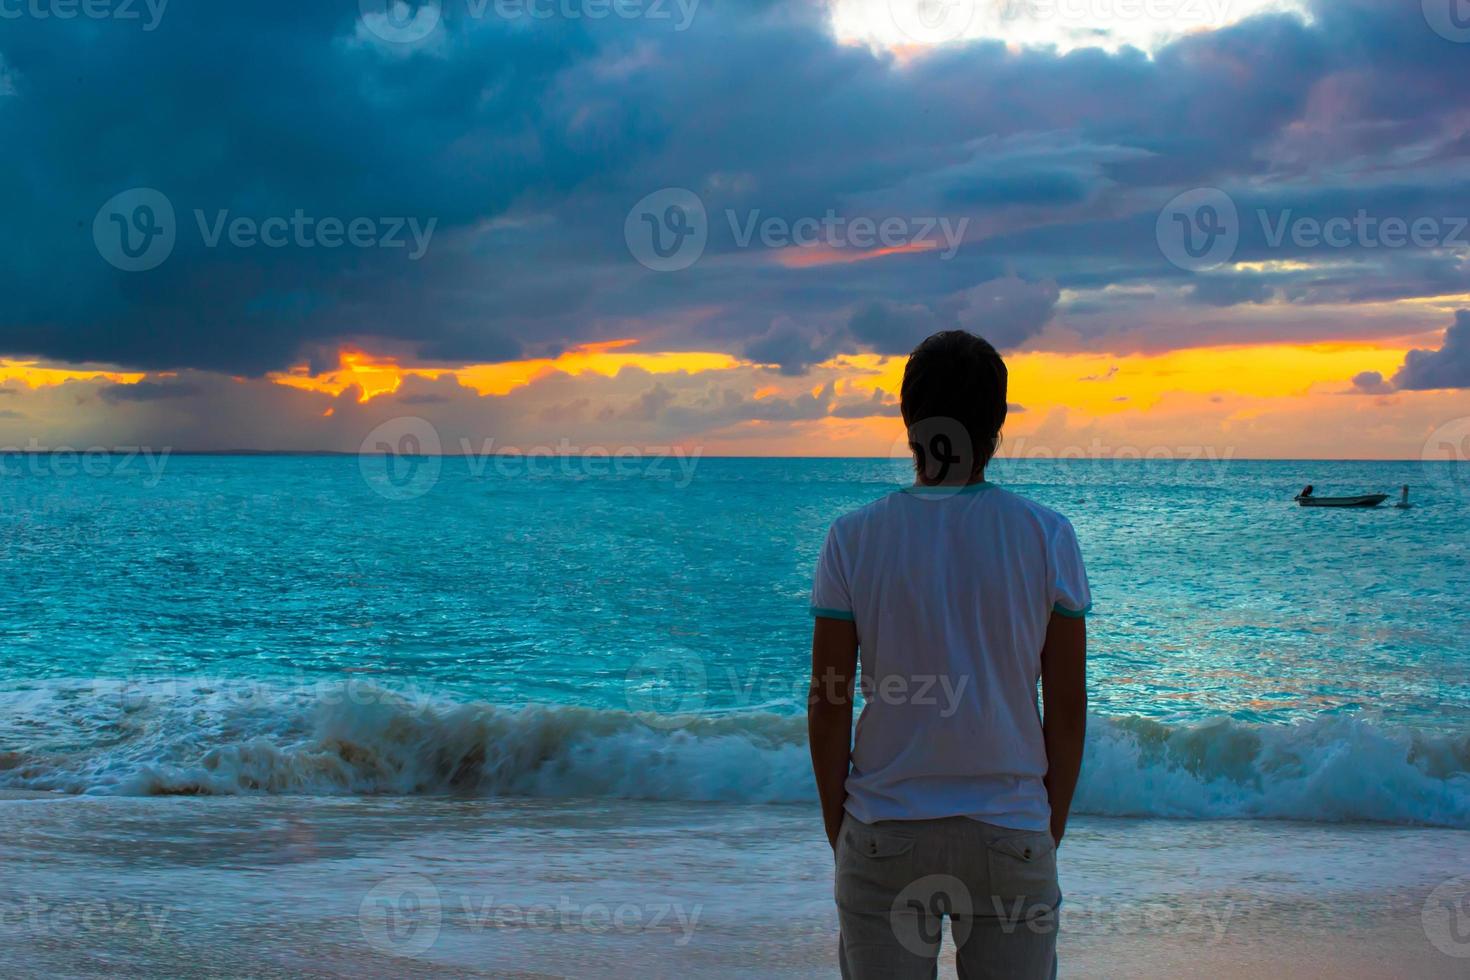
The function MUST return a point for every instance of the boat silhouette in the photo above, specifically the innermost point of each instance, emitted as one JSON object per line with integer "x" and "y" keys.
{"x": 1309, "y": 499}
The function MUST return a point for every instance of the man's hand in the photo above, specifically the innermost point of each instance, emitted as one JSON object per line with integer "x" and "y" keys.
{"x": 1064, "y": 713}
{"x": 829, "y": 715}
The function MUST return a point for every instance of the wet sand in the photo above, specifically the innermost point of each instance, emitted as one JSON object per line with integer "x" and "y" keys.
{"x": 388, "y": 887}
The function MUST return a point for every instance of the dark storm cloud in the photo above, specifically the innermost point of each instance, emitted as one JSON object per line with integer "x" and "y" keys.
{"x": 794, "y": 349}
{"x": 149, "y": 391}
{"x": 1007, "y": 312}
{"x": 1371, "y": 383}
{"x": 1448, "y": 367}
{"x": 524, "y": 144}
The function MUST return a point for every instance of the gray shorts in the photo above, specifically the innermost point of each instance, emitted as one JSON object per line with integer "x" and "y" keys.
{"x": 898, "y": 879}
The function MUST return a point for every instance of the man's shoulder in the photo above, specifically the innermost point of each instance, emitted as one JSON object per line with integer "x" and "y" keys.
{"x": 859, "y": 517}
{"x": 1028, "y": 509}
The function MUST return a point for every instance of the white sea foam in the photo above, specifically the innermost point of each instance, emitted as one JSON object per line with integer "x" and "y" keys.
{"x": 170, "y": 737}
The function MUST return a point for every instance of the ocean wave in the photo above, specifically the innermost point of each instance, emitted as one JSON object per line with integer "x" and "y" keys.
{"x": 178, "y": 738}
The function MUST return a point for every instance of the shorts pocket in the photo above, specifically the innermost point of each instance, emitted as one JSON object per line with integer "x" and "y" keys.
{"x": 1023, "y": 878}
{"x": 871, "y": 841}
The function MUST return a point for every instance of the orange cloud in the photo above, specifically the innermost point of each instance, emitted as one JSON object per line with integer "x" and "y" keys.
{"x": 806, "y": 256}
{"x": 372, "y": 376}
{"x": 381, "y": 375}
{"x": 1107, "y": 384}
{"x": 33, "y": 375}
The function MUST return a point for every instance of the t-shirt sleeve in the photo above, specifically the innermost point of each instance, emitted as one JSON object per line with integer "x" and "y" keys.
{"x": 830, "y": 596}
{"x": 1071, "y": 595}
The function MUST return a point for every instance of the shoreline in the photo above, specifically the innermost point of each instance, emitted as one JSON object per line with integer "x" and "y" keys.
{"x": 385, "y": 886}
{"x": 7, "y": 795}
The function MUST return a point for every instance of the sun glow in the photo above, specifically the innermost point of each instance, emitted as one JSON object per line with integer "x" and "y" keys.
{"x": 1108, "y": 384}
{"x": 380, "y": 375}
{"x": 33, "y": 375}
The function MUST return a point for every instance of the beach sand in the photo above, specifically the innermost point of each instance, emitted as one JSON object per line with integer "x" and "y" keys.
{"x": 388, "y": 887}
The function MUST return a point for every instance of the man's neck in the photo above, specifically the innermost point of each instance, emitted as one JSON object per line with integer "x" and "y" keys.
{"x": 977, "y": 477}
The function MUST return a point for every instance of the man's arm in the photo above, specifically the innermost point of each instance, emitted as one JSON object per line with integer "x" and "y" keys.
{"x": 1064, "y": 712}
{"x": 829, "y": 715}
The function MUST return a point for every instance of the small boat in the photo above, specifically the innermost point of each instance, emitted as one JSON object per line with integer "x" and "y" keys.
{"x": 1307, "y": 499}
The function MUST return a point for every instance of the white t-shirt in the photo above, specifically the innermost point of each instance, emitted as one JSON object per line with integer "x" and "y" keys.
{"x": 951, "y": 591}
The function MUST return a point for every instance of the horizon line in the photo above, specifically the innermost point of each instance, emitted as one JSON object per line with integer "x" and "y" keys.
{"x": 670, "y": 450}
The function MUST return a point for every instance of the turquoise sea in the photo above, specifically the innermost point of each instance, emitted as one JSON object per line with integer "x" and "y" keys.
{"x": 548, "y": 629}
{"x": 396, "y": 717}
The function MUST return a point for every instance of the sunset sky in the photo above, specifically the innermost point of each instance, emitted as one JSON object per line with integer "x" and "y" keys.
{"x": 720, "y": 225}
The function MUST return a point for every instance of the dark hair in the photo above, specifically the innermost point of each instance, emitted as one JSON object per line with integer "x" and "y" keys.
{"x": 956, "y": 383}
